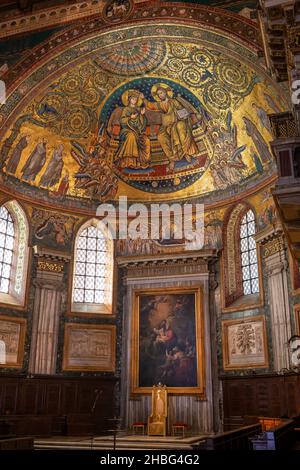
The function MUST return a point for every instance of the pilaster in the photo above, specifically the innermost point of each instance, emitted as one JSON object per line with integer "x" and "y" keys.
{"x": 276, "y": 268}
{"x": 49, "y": 289}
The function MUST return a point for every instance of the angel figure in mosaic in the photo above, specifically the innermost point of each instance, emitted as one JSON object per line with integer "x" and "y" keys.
{"x": 95, "y": 175}
{"x": 227, "y": 166}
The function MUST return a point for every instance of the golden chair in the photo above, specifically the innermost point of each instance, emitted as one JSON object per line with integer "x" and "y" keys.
{"x": 157, "y": 421}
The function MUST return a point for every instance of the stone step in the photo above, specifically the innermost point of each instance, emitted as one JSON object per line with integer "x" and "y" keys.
{"x": 122, "y": 443}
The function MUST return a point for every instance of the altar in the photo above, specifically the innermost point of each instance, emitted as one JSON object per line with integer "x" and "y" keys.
{"x": 168, "y": 339}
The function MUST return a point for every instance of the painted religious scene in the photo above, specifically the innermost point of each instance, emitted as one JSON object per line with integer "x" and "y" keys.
{"x": 146, "y": 120}
{"x": 149, "y": 225}
{"x": 167, "y": 340}
{"x": 157, "y": 135}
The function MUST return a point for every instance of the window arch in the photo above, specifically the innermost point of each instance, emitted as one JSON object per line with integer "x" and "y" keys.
{"x": 248, "y": 254}
{"x": 7, "y": 246}
{"x": 93, "y": 269}
{"x": 240, "y": 259}
{"x": 14, "y": 253}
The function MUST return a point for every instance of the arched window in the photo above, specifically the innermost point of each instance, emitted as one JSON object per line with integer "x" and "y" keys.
{"x": 93, "y": 270}
{"x": 248, "y": 254}
{"x": 7, "y": 245}
{"x": 240, "y": 260}
{"x": 13, "y": 253}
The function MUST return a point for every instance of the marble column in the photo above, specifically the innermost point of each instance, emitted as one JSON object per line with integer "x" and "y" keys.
{"x": 49, "y": 291}
{"x": 276, "y": 267}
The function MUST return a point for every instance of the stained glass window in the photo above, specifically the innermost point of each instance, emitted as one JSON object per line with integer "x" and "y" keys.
{"x": 91, "y": 259}
{"x": 249, "y": 254}
{"x": 7, "y": 239}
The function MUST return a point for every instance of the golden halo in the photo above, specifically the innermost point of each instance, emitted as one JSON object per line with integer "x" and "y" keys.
{"x": 128, "y": 93}
{"x": 165, "y": 87}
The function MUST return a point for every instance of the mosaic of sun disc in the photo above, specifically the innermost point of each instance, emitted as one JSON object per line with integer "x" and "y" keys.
{"x": 153, "y": 119}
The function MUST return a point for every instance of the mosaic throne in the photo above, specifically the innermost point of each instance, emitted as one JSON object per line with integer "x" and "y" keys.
{"x": 157, "y": 421}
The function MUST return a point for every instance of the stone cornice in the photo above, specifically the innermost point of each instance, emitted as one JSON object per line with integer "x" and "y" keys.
{"x": 167, "y": 259}
{"x": 269, "y": 233}
{"x": 49, "y": 17}
{"x": 234, "y": 24}
{"x": 47, "y": 254}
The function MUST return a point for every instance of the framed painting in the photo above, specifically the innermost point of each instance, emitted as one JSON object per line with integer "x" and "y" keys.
{"x": 167, "y": 341}
{"x": 12, "y": 339}
{"x": 89, "y": 347}
{"x": 295, "y": 275}
{"x": 297, "y": 318}
{"x": 244, "y": 343}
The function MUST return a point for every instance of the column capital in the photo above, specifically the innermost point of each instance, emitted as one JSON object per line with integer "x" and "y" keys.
{"x": 275, "y": 245}
{"x": 272, "y": 241}
{"x": 269, "y": 233}
{"x": 50, "y": 266}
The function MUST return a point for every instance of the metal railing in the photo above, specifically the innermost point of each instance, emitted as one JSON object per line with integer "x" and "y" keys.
{"x": 283, "y": 125}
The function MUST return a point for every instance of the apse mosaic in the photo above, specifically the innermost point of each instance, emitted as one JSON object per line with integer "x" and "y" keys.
{"x": 261, "y": 202}
{"x": 151, "y": 119}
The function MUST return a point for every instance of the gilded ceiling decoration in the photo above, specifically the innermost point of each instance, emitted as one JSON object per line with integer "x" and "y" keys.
{"x": 153, "y": 112}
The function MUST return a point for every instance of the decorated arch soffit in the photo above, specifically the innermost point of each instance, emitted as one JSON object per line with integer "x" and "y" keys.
{"x": 153, "y": 111}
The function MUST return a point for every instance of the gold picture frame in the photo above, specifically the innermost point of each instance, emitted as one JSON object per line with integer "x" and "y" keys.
{"x": 168, "y": 341}
{"x": 244, "y": 343}
{"x": 294, "y": 274}
{"x": 89, "y": 347}
{"x": 297, "y": 318}
{"x": 12, "y": 336}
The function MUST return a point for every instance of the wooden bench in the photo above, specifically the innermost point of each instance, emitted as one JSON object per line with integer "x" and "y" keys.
{"x": 279, "y": 437}
{"x": 237, "y": 439}
{"x": 18, "y": 443}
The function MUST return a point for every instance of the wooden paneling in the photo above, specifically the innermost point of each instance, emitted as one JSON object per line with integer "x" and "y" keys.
{"x": 292, "y": 390}
{"x": 28, "y": 399}
{"x": 52, "y": 399}
{"x": 85, "y": 399}
{"x": 22, "y": 443}
{"x": 232, "y": 440}
{"x": 69, "y": 398}
{"x": 9, "y": 398}
{"x": 269, "y": 395}
{"x": 46, "y": 405}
